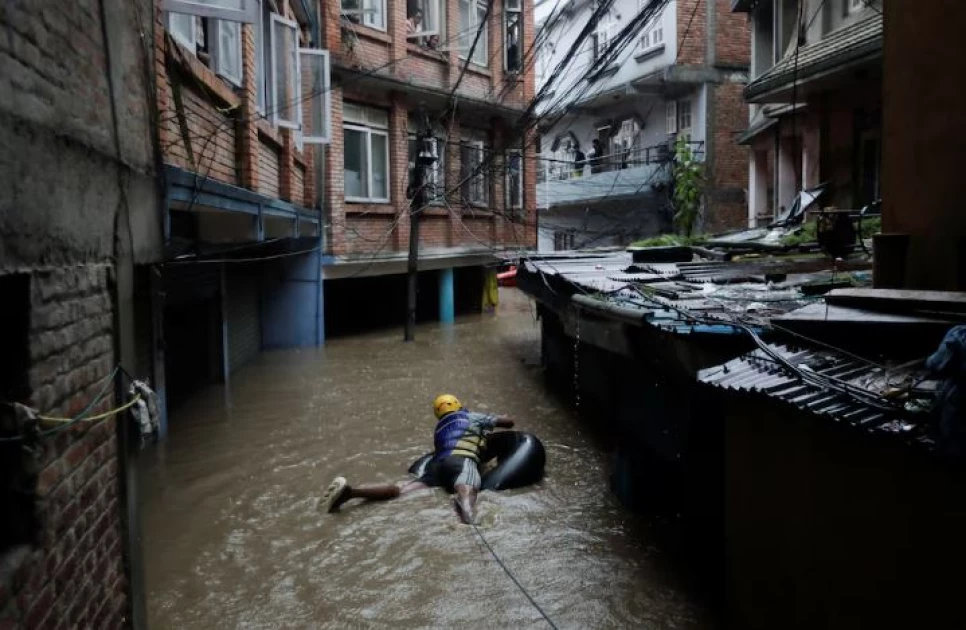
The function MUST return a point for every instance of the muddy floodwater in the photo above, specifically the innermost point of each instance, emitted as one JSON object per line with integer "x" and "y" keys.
{"x": 233, "y": 537}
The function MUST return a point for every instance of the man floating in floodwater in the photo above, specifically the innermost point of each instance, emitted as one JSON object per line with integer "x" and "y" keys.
{"x": 459, "y": 441}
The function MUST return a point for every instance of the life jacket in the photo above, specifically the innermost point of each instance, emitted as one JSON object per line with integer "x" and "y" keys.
{"x": 457, "y": 435}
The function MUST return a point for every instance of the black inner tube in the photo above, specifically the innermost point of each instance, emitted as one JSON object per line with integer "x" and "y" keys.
{"x": 520, "y": 461}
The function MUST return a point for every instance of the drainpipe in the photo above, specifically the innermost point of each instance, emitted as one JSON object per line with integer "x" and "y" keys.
{"x": 319, "y": 202}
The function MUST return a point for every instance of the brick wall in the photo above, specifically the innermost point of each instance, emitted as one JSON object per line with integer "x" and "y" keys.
{"x": 231, "y": 140}
{"x": 733, "y": 40}
{"x": 727, "y": 205}
{"x": 268, "y": 170}
{"x": 691, "y": 39}
{"x": 74, "y": 576}
{"x": 375, "y": 228}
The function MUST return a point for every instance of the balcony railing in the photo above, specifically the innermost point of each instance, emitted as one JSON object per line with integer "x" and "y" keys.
{"x": 625, "y": 173}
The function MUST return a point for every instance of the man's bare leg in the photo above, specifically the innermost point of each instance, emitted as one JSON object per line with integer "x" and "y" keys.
{"x": 339, "y": 491}
{"x": 465, "y": 502}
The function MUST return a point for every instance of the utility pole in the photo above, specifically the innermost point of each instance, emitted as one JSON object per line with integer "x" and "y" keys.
{"x": 417, "y": 189}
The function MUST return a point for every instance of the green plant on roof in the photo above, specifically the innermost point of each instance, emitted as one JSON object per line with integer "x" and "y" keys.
{"x": 670, "y": 240}
{"x": 688, "y": 175}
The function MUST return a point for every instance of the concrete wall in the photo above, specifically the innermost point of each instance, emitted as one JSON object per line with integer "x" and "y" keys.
{"x": 79, "y": 209}
{"x": 922, "y": 192}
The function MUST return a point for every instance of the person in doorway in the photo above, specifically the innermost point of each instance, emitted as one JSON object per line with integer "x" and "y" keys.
{"x": 597, "y": 157}
{"x": 414, "y": 22}
{"x": 459, "y": 441}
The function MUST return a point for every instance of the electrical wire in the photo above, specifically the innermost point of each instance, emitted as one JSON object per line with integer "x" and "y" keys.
{"x": 513, "y": 578}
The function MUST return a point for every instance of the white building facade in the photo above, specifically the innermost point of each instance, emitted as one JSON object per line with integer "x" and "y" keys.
{"x": 605, "y": 146}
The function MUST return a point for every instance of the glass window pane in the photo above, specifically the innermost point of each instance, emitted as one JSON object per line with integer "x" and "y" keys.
{"x": 480, "y": 55}
{"x": 182, "y": 28}
{"x": 466, "y": 26}
{"x": 229, "y": 51}
{"x": 356, "y": 165}
{"x": 380, "y": 166}
{"x": 285, "y": 42}
{"x": 314, "y": 66}
{"x": 374, "y": 13}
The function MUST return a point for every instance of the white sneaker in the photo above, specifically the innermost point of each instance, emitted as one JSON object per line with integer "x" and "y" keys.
{"x": 335, "y": 495}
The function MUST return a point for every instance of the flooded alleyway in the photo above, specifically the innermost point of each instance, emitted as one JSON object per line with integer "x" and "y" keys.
{"x": 233, "y": 537}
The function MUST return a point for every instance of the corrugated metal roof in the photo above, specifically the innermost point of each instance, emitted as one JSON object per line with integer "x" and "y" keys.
{"x": 759, "y": 373}
{"x": 677, "y": 294}
{"x": 862, "y": 40}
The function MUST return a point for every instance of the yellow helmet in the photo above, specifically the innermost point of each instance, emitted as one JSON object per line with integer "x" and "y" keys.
{"x": 444, "y": 404}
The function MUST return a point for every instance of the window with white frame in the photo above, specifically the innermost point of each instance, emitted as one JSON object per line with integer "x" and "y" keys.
{"x": 652, "y": 37}
{"x": 625, "y": 143}
{"x": 216, "y": 42}
{"x": 854, "y": 6}
{"x": 473, "y": 20}
{"x": 603, "y": 34}
{"x": 183, "y": 29}
{"x": 371, "y": 13}
{"x": 684, "y": 115}
{"x": 435, "y": 182}
{"x": 473, "y": 175}
{"x": 514, "y": 179}
{"x": 366, "y": 153}
{"x": 425, "y": 21}
{"x": 513, "y": 35}
{"x": 227, "y": 51}
{"x": 544, "y": 59}
{"x": 671, "y": 108}
{"x": 244, "y": 11}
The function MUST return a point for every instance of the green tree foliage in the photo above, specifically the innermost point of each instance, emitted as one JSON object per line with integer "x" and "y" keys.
{"x": 688, "y": 174}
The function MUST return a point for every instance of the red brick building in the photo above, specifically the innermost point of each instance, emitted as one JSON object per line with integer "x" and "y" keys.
{"x": 80, "y": 224}
{"x": 288, "y": 134}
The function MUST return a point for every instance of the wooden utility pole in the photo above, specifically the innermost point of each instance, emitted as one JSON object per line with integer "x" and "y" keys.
{"x": 417, "y": 186}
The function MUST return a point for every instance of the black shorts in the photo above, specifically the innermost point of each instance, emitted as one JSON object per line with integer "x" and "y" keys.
{"x": 450, "y": 472}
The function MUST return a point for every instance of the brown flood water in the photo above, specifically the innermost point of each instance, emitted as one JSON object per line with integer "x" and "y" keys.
{"x": 233, "y": 537}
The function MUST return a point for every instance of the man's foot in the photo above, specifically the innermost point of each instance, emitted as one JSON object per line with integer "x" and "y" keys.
{"x": 464, "y": 510}
{"x": 335, "y": 495}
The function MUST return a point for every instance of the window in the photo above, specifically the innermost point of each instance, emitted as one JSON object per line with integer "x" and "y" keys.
{"x": 230, "y": 10}
{"x": 435, "y": 182}
{"x": 624, "y": 144}
{"x": 603, "y": 34}
{"x": 514, "y": 179}
{"x": 563, "y": 160}
{"x": 315, "y": 107}
{"x": 544, "y": 59}
{"x": 684, "y": 116}
{"x": 672, "y": 117}
{"x": 472, "y": 153}
{"x": 366, "y": 154}
{"x": 371, "y": 13}
{"x": 563, "y": 241}
{"x": 228, "y": 50}
{"x": 473, "y": 20}
{"x": 653, "y": 36}
{"x": 513, "y": 36}
{"x": 263, "y": 56}
{"x": 854, "y": 6}
{"x": 425, "y": 20}
{"x": 183, "y": 29}
{"x": 219, "y": 39}
{"x": 285, "y": 59}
